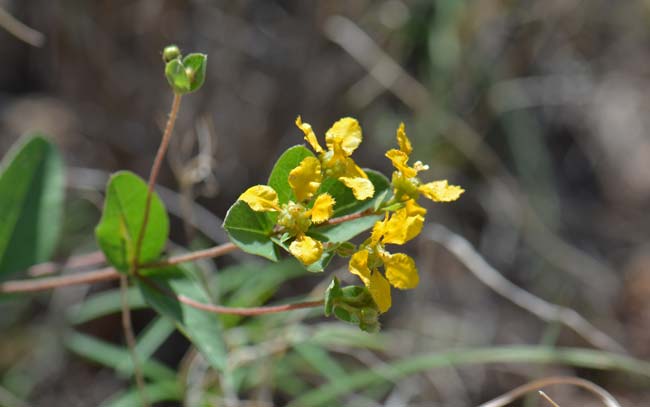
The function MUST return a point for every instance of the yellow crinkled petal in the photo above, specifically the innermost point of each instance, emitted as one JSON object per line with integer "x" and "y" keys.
{"x": 359, "y": 266}
{"x": 378, "y": 230}
{"x": 379, "y": 290}
{"x": 440, "y": 191}
{"x": 352, "y": 170}
{"x": 362, "y": 188}
{"x": 323, "y": 208}
{"x": 305, "y": 179}
{"x": 261, "y": 198}
{"x": 402, "y": 227}
{"x": 401, "y": 271}
{"x": 403, "y": 140}
{"x": 306, "y": 249}
{"x": 399, "y": 160}
{"x": 310, "y": 137}
{"x": 413, "y": 208}
{"x": 346, "y": 134}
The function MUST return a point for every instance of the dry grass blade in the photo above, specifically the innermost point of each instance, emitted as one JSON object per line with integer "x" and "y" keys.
{"x": 507, "y": 398}
{"x": 491, "y": 277}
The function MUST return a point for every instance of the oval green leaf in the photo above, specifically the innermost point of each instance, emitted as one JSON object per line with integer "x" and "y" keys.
{"x": 31, "y": 204}
{"x": 251, "y": 231}
{"x": 279, "y": 178}
{"x": 119, "y": 227}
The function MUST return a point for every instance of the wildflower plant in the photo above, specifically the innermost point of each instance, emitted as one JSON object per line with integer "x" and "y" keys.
{"x": 315, "y": 202}
{"x": 314, "y": 205}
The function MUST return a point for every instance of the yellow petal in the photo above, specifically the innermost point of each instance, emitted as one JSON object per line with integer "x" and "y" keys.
{"x": 305, "y": 179}
{"x": 345, "y": 134}
{"x": 362, "y": 188}
{"x": 261, "y": 198}
{"x": 310, "y": 137}
{"x": 413, "y": 208}
{"x": 378, "y": 231}
{"x": 403, "y": 140}
{"x": 379, "y": 290}
{"x": 323, "y": 208}
{"x": 401, "y": 271}
{"x": 402, "y": 227}
{"x": 352, "y": 170}
{"x": 306, "y": 249}
{"x": 399, "y": 160}
{"x": 440, "y": 191}
{"x": 359, "y": 266}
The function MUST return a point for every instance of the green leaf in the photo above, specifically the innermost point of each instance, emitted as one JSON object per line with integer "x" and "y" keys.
{"x": 346, "y": 230}
{"x": 327, "y": 394}
{"x": 31, "y": 204}
{"x": 115, "y": 357}
{"x": 195, "y": 66}
{"x": 119, "y": 227}
{"x": 251, "y": 231}
{"x": 347, "y": 204}
{"x": 256, "y": 287}
{"x": 279, "y": 178}
{"x": 156, "y": 392}
{"x": 202, "y": 328}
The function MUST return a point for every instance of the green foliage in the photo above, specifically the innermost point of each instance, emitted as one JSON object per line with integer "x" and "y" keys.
{"x": 254, "y": 232}
{"x": 279, "y": 178}
{"x": 31, "y": 204}
{"x": 185, "y": 75}
{"x": 352, "y": 304}
{"x": 161, "y": 288}
{"x": 119, "y": 228}
{"x": 251, "y": 230}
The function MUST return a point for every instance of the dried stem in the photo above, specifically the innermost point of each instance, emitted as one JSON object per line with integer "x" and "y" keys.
{"x": 492, "y": 278}
{"x": 20, "y": 30}
{"x": 216, "y": 251}
{"x": 49, "y": 283}
{"x": 507, "y": 398}
{"x": 130, "y": 339}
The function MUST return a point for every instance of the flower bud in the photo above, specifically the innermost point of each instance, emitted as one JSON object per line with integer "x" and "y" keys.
{"x": 171, "y": 52}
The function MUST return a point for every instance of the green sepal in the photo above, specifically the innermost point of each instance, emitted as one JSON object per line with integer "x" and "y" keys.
{"x": 352, "y": 304}
{"x": 188, "y": 74}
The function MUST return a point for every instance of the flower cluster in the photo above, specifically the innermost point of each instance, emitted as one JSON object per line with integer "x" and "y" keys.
{"x": 309, "y": 206}
{"x": 341, "y": 140}
{"x": 297, "y": 217}
{"x": 399, "y": 227}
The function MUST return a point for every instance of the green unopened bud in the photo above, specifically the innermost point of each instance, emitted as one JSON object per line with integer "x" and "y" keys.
{"x": 171, "y": 52}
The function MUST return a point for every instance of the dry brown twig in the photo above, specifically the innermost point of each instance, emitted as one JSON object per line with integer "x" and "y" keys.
{"x": 491, "y": 277}
{"x": 507, "y": 398}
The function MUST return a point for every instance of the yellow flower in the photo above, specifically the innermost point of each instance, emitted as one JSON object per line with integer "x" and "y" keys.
{"x": 376, "y": 283}
{"x": 342, "y": 139}
{"x": 261, "y": 198}
{"x": 306, "y": 178}
{"x": 406, "y": 185}
{"x": 306, "y": 249}
{"x": 399, "y": 268}
{"x": 296, "y": 217}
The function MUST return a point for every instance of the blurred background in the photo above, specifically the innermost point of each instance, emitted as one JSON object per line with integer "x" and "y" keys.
{"x": 539, "y": 109}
